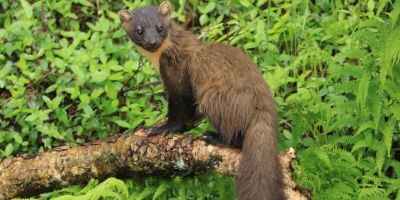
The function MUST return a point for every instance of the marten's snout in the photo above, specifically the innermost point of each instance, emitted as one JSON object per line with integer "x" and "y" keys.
{"x": 152, "y": 46}
{"x": 151, "y": 40}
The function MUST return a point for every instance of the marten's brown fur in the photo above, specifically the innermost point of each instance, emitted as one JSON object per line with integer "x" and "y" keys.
{"x": 216, "y": 81}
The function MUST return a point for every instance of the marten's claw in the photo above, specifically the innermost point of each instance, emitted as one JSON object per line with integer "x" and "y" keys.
{"x": 155, "y": 130}
{"x": 214, "y": 138}
{"x": 167, "y": 128}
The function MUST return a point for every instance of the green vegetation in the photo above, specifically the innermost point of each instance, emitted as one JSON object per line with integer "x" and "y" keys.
{"x": 68, "y": 75}
{"x": 208, "y": 186}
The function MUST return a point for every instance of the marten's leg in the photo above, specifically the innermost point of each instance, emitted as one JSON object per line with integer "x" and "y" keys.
{"x": 182, "y": 116}
{"x": 215, "y": 138}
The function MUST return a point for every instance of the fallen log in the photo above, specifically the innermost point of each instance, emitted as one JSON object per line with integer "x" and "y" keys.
{"x": 122, "y": 155}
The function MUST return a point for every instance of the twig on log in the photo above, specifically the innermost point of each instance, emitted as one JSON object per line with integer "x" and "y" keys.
{"x": 119, "y": 156}
{"x": 139, "y": 87}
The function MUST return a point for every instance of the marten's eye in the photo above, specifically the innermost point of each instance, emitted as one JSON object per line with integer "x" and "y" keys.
{"x": 139, "y": 31}
{"x": 159, "y": 28}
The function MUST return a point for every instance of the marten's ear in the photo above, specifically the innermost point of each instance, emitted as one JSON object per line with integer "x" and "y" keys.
{"x": 124, "y": 15}
{"x": 165, "y": 9}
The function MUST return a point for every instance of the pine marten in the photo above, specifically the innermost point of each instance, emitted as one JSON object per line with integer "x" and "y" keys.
{"x": 216, "y": 81}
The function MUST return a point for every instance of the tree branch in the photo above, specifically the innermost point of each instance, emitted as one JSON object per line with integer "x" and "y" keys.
{"x": 120, "y": 156}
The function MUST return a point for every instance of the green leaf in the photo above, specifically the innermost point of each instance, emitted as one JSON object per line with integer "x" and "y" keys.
{"x": 51, "y": 88}
{"x": 245, "y": 3}
{"x": 118, "y": 34}
{"x": 3, "y": 33}
{"x": 77, "y": 71}
{"x": 260, "y": 31}
{"x": 85, "y": 100}
{"x": 117, "y": 77}
{"x": 62, "y": 116}
{"x": 96, "y": 93}
{"x": 56, "y": 101}
{"x": 30, "y": 118}
{"x": 22, "y": 64}
{"x": 9, "y": 150}
{"x": 111, "y": 90}
{"x": 47, "y": 101}
{"x": 99, "y": 76}
{"x": 121, "y": 123}
{"x": 210, "y": 7}
{"x": 18, "y": 138}
{"x": 135, "y": 123}
{"x": 5, "y": 70}
{"x": 74, "y": 91}
{"x": 203, "y": 19}
{"x": 371, "y": 5}
{"x": 27, "y": 8}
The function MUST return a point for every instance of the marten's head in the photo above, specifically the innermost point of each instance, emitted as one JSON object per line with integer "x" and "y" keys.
{"x": 148, "y": 26}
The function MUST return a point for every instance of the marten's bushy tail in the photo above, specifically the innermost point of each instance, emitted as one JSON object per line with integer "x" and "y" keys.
{"x": 260, "y": 176}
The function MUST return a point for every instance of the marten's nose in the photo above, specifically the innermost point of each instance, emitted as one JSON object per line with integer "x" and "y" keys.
{"x": 152, "y": 44}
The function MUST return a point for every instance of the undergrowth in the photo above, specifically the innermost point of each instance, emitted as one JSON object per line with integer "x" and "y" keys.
{"x": 68, "y": 75}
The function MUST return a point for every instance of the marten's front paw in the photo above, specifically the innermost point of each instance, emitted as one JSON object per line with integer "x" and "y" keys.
{"x": 166, "y": 128}
{"x": 155, "y": 130}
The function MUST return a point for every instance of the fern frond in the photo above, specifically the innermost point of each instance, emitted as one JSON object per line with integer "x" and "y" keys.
{"x": 110, "y": 188}
{"x": 394, "y": 14}
{"x": 313, "y": 156}
{"x": 160, "y": 189}
{"x": 394, "y": 184}
{"x": 371, "y": 193}
{"x": 146, "y": 193}
{"x": 380, "y": 156}
{"x": 381, "y": 5}
{"x": 396, "y": 166}
{"x": 369, "y": 37}
{"x": 375, "y": 103}
{"x": 346, "y": 70}
{"x": 351, "y": 53}
{"x": 182, "y": 192}
{"x": 374, "y": 179}
{"x": 388, "y": 135}
{"x": 348, "y": 107}
{"x": 340, "y": 153}
{"x": 393, "y": 44}
{"x": 395, "y": 108}
{"x": 396, "y": 73}
{"x": 341, "y": 122}
{"x": 337, "y": 191}
{"x": 362, "y": 92}
{"x": 391, "y": 52}
{"x": 358, "y": 145}
{"x": 392, "y": 88}
{"x": 347, "y": 87}
{"x": 341, "y": 139}
{"x": 371, "y": 23}
{"x": 363, "y": 127}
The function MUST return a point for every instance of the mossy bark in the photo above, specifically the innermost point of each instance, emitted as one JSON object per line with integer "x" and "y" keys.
{"x": 119, "y": 156}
